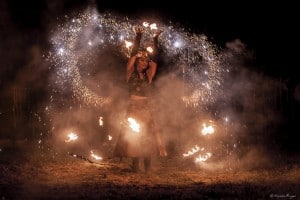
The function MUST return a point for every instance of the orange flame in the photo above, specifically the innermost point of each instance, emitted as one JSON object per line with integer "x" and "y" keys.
{"x": 145, "y": 24}
{"x": 101, "y": 123}
{"x": 133, "y": 125}
{"x": 207, "y": 129}
{"x": 203, "y": 158}
{"x": 109, "y": 137}
{"x": 149, "y": 49}
{"x": 95, "y": 156}
{"x": 128, "y": 44}
{"x": 71, "y": 137}
{"x": 153, "y": 26}
{"x": 191, "y": 152}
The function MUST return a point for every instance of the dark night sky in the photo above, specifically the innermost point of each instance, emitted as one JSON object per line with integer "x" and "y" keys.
{"x": 267, "y": 28}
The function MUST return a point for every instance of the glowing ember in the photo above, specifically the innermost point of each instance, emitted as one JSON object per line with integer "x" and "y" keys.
{"x": 133, "y": 125}
{"x": 71, "y": 137}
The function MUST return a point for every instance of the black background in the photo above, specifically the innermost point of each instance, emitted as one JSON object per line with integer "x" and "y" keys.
{"x": 267, "y": 28}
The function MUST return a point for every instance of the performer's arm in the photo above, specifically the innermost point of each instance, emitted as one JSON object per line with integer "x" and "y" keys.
{"x": 135, "y": 49}
{"x": 154, "y": 54}
{"x": 153, "y": 57}
{"x": 137, "y": 41}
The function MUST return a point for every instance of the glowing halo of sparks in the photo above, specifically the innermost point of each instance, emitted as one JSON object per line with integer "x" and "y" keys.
{"x": 72, "y": 41}
{"x": 76, "y": 38}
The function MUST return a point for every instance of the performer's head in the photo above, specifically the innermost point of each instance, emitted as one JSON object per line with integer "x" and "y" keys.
{"x": 142, "y": 60}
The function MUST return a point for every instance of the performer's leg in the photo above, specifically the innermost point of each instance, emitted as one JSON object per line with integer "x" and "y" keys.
{"x": 135, "y": 164}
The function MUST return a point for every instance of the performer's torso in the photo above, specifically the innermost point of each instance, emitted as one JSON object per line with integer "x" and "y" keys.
{"x": 139, "y": 86}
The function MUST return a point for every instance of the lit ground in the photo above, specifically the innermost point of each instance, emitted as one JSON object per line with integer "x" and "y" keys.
{"x": 26, "y": 173}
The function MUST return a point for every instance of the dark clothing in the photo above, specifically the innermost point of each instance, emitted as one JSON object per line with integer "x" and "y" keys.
{"x": 139, "y": 86}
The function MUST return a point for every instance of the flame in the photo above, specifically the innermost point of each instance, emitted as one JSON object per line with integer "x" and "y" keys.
{"x": 95, "y": 156}
{"x": 153, "y": 26}
{"x": 145, "y": 24}
{"x": 207, "y": 129}
{"x": 101, "y": 121}
{"x": 133, "y": 125}
{"x": 203, "y": 158}
{"x": 109, "y": 137}
{"x": 191, "y": 152}
{"x": 71, "y": 136}
{"x": 149, "y": 49}
{"x": 128, "y": 44}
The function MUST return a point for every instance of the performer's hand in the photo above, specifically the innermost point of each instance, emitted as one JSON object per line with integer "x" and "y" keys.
{"x": 138, "y": 30}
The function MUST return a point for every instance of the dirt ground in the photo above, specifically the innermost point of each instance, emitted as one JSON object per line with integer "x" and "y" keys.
{"x": 27, "y": 172}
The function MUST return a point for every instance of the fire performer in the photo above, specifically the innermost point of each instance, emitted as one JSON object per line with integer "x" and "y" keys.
{"x": 141, "y": 68}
